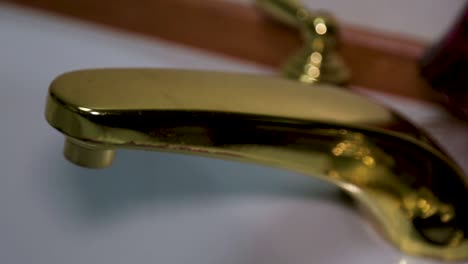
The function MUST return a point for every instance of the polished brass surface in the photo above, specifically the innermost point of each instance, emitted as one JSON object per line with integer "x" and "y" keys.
{"x": 414, "y": 193}
{"x": 319, "y": 60}
{"x": 87, "y": 155}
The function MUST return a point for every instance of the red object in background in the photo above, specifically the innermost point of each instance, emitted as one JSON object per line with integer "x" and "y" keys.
{"x": 445, "y": 66}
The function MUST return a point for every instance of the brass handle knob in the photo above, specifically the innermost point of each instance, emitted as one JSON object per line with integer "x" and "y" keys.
{"x": 319, "y": 59}
{"x": 414, "y": 192}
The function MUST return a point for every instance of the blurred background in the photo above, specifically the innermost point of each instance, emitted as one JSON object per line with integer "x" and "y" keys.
{"x": 420, "y": 19}
{"x": 386, "y": 44}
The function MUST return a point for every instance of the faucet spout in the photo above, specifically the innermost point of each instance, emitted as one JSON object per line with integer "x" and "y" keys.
{"x": 411, "y": 190}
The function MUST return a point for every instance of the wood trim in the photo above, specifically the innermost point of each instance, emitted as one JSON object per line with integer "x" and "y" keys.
{"x": 378, "y": 61}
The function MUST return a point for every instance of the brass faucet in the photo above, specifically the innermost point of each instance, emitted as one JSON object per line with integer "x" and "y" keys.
{"x": 413, "y": 191}
{"x": 318, "y": 61}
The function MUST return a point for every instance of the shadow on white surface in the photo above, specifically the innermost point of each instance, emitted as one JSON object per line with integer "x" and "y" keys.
{"x": 143, "y": 179}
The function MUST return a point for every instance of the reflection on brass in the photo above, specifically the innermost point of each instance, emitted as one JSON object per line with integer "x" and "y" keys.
{"x": 415, "y": 194}
{"x": 319, "y": 60}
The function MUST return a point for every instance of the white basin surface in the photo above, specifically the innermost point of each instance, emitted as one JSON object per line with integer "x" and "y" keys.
{"x": 153, "y": 207}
